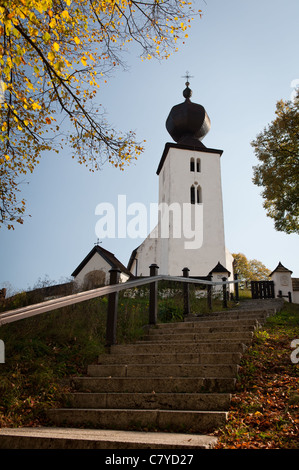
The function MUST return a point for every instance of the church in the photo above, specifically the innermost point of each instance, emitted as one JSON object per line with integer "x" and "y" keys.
{"x": 190, "y": 229}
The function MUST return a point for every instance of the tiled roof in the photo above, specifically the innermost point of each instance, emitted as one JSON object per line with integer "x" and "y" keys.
{"x": 280, "y": 269}
{"x": 107, "y": 255}
{"x": 219, "y": 269}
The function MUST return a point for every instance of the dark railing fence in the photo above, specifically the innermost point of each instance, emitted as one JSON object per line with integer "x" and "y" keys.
{"x": 288, "y": 296}
{"x": 262, "y": 290}
{"x": 153, "y": 297}
{"x": 113, "y": 289}
{"x": 265, "y": 290}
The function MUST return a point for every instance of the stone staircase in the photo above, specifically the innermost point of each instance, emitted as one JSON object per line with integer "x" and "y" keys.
{"x": 170, "y": 390}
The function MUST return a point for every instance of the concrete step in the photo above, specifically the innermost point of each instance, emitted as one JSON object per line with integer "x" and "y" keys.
{"x": 179, "y": 347}
{"x": 231, "y": 315}
{"x": 212, "y": 322}
{"x": 166, "y": 401}
{"x": 244, "y": 312}
{"x": 154, "y": 384}
{"x": 128, "y": 419}
{"x": 72, "y": 438}
{"x": 172, "y": 358}
{"x": 201, "y": 330}
{"x": 245, "y": 337}
{"x": 162, "y": 370}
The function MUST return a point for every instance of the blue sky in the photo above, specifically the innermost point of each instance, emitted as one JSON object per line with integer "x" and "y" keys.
{"x": 243, "y": 57}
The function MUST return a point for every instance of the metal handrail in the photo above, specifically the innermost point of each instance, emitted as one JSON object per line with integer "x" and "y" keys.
{"x": 54, "y": 304}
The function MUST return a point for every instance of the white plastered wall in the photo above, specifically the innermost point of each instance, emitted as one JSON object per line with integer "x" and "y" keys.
{"x": 175, "y": 181}
{"x": 282, "y": 282}
{"x": 97, "y": 263}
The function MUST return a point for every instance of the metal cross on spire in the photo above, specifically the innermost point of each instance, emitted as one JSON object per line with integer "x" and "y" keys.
{"x": 187, "y": 76}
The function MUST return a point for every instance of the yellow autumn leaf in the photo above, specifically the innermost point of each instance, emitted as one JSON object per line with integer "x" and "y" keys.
{"x": 55, "y": 46}
{"x": 29, "y": 85}
{"x": 51, "y": 56}
{"x": 77, "y": 40}
{"x": 83, "y": 61}
{"x": 9, "y": 62}
{"x": 35, "y": 105}
{"x": 46, "y": 37}
{"x": 65, "y": 15}
{"x": 52, "y": 23}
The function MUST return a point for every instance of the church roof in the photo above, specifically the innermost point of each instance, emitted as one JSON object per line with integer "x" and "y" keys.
{"x": 108, "y": 257}
{"x": 280, "y": 269}
{"x": 188, "y": 122}
{"x": 132, "y": 258}
{"x": 219, "y": 269}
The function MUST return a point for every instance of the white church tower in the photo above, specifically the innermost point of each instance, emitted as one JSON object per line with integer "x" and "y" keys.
{"x": 190, "y": 230}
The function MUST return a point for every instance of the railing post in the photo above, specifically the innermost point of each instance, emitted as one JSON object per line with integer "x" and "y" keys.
{"x": 236, "y": 288}
{"x": 224, "y": 293}
{"x": 272, "y": 290}
{"x": 112, "y": 309}
{"x": 153, "y": 296}
{"x": 209, "y": 296}
{"x": 186, "y": 293}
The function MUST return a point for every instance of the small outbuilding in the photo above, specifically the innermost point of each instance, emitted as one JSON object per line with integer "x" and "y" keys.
{"x": 93, "y": 271}
{"x": 285, "y": 285}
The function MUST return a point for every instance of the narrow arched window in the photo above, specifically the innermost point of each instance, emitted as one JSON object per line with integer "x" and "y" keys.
{"x": 198, "y": 195}
{"x": 192, "y": 195}
{"x": 198, "y": 166}
{"x": 192, "y": 164}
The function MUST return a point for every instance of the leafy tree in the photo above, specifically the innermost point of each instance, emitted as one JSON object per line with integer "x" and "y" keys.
{"x": 258, "y": 271}
{"x": 277, "y": 148}
{"x": 250, "y": 270}
{"x": 241, "y": 266}
{"x": 54, "y": 56}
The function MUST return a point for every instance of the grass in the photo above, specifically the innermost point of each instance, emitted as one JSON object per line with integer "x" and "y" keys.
{"x": 265, "y": 408}
{"x": 40, "y": 352}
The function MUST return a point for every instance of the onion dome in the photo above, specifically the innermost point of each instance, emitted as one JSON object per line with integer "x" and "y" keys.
{"x": 188, "y": 123}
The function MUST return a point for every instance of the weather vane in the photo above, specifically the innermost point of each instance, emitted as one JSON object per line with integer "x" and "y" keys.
{"x": 98, "y": 242}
